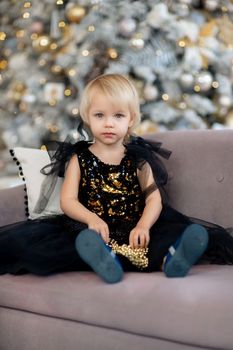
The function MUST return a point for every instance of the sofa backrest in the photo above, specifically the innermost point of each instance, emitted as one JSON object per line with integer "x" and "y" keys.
{"x": 200, "y": 177}
{"x": 201, "y": 173}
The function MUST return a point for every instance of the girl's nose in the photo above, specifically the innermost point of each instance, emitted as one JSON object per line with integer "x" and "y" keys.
{"x": 109, "y": 122}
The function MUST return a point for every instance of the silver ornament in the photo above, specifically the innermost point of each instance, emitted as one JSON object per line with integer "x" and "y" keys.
{"x": 187, "y": 80}
{"x": 150, "y": 93}
{"x": 204, "y": 80}
{"x": 211, "y": 5}
{"x": 225, "y": 101}
{"x": 127, "y": 27}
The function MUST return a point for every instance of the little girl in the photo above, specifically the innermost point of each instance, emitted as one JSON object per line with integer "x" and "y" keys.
{"x": 116, "y": 216}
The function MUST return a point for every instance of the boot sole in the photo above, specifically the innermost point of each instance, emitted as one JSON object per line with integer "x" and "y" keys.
{"x": 94, "y": 252}
{"x": 193, "y": 244}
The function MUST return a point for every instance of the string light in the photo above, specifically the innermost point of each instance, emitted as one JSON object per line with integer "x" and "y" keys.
{"x": 44, "y": 41}
{"x": 61, "y": 24}
{"x": 91, "y": 28}
{"x": 112, "y": 53}
{"x": 75, "y": 111}
{"x": 26, "y": 15}
{"x": 59, "y": 2}
{"x": 137, "y": 43}
{"x": 34, "y": 36}
{"x": 67, "y": 92}
{"x": 197, "y": 88}
{"x": 215, "y": 84}
{"x": 53, "y": 46}
{"x": 42, "y": 62}
{"x": 72, "y": 72}
{"x": 165, "y": 97}
{"x": 85, "y": 53}
{"x": 27, "y": 5}
{"x": 56, "y": 69}
{"x": 182, "y": 43}
{"x": 182, "y": 105}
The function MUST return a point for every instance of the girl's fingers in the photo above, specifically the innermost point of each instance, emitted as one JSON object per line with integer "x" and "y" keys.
{"x": 135, "y": 241}
{"x": 139, "y": 240}
{"x": 142, "y": 240}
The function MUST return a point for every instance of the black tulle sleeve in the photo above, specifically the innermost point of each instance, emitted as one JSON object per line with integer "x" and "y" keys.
{"x": 60, "y": 153}
{"x": 151, "y": 152}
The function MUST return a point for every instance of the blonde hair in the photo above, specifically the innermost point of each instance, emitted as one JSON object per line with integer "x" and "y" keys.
{"x": 115, "y": 87}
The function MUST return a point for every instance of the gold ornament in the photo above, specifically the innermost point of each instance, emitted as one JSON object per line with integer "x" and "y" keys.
{"x": 2, "y": 36}
{"x": 41, "y": 43}
{"x": 3, "y": 64}
{"x": 137, "y": 256}
{"x": 75, "y": 13}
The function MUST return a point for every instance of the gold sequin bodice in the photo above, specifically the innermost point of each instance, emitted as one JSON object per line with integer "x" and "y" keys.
{"x": 111, "y": 191}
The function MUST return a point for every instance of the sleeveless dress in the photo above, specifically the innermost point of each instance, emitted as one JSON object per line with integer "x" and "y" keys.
{"x": 47, "y": 245}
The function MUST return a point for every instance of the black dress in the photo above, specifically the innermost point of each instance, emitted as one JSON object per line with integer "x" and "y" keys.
{"x": 46, "y": 245}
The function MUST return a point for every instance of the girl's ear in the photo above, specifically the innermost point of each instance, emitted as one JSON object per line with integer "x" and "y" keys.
{"x": 132, "y": 118}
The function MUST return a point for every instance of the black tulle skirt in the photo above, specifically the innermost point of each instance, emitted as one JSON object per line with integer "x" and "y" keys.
{"x": 47, "y": 245}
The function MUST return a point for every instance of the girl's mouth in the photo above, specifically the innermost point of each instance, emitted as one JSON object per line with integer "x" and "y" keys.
{"x": 108, "y": 134}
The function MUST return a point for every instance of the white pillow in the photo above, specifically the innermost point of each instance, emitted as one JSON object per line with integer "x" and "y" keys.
{"x": 32, "y": 161}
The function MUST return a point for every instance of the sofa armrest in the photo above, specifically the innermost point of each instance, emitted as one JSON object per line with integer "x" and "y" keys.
{"x": 12, "y": 208}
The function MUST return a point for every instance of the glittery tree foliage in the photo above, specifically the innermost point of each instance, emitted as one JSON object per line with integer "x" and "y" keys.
{"x": 178, "y": 54}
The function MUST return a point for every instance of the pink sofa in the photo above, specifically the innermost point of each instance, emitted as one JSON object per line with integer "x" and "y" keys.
{"x": 148, "y": 311}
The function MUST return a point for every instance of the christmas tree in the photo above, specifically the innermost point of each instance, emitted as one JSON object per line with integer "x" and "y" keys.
{"x": 178, "y": 54}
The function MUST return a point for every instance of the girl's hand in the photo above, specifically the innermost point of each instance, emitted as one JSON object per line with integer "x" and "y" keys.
{"x": 139, "y": 237}
{"x": 99, "y": 225}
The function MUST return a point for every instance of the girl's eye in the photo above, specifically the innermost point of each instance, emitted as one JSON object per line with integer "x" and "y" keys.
{"x": 119, "y": 115}
{"x": 98, "y": 115}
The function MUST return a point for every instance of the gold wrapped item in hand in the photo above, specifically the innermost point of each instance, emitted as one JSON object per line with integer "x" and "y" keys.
{"x": 136, "y": 256}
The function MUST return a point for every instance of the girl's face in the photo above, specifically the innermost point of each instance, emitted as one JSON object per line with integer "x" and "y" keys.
{"x": 108, "y": 122}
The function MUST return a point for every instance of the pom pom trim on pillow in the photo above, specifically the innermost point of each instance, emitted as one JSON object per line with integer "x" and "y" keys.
{"x": 21, "y": 175}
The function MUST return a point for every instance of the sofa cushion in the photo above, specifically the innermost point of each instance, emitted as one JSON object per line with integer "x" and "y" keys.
{"x": 197, "y": 309}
